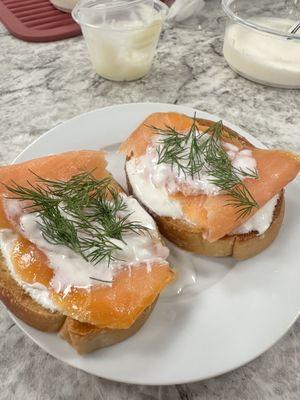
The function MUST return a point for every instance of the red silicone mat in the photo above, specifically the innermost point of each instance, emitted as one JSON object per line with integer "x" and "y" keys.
{"x": 37, "y": 20}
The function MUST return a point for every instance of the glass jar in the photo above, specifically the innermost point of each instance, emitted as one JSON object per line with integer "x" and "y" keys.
{"x": 257, "y": 42}
{"x": 121, "y": 35}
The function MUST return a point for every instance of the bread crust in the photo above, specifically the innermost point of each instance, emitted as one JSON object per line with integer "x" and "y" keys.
{"x": 86, "y": 338}
{"x": 189, "y": 237}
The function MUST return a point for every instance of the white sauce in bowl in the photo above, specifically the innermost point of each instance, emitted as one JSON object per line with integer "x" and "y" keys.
{"x": 263, "y": 57}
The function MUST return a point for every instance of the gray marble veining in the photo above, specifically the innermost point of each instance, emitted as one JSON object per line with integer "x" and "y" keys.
{"x": 43, "y": 84}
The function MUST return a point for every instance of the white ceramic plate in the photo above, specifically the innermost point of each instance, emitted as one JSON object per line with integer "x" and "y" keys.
{"x": 225, "y": 314}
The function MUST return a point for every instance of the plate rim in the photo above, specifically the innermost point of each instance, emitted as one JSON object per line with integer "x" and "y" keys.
{"x": 23, "y": 326}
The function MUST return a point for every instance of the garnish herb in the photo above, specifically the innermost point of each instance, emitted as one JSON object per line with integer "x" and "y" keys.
{"x": 84, "y": 214}
{"x": 197, "y": 152}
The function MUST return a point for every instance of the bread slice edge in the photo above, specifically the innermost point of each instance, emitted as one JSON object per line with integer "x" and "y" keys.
{"x": 86, "y": 338}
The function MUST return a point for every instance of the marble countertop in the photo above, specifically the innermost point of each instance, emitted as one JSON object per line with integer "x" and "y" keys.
{"x": 43, "y": 84}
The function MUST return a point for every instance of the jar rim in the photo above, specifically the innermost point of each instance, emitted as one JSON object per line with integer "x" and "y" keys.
{"x": 119, "y": 4}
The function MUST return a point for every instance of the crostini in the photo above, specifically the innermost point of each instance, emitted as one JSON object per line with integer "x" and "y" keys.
{"x": 79, "y": 256}
{"x": 209, "y": 190}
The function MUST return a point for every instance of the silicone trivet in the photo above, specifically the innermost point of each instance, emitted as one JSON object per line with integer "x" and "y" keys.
{"x": 37, "y": 20}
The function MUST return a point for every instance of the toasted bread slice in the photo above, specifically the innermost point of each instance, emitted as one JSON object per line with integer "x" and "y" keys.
{"x": 119, "y": 309}
{"x": 189, "y": 237}
{"x": 86, "y": 338}
{"x": 24, "y": 307}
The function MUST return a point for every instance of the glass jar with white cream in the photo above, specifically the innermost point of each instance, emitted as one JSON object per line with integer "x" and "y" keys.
{"x": 258, "y": 43}
{"x": 121, "y": 35}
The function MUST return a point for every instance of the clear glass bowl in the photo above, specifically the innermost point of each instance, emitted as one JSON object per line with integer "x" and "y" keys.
{"x": 257, "y": 42}
{"x": 121, "y": 35}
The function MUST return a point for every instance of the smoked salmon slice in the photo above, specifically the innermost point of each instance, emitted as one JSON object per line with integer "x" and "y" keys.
{"x": 115, "y": 306}
{"x": 275, "y": 168}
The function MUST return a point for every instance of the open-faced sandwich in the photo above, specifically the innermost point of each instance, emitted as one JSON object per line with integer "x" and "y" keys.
{"x": 209, "y": 190}
{"x": 79, "y": 256}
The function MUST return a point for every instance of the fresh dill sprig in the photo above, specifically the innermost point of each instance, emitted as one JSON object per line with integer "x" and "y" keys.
{"x": 195, "y": 152}
{"x": 84, "y": 214}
